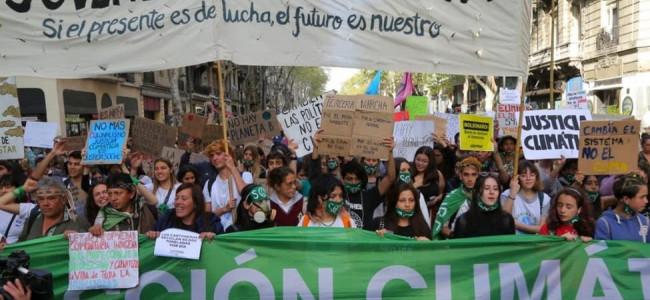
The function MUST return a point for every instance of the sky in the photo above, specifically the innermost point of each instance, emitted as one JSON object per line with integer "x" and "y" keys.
{"x": 338, "y": 76}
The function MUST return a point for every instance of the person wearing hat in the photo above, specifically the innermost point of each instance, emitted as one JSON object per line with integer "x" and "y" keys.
{"x": 254, "y": 212}
{"x": 457, "y": 202}
{"x": 507, "y": 149}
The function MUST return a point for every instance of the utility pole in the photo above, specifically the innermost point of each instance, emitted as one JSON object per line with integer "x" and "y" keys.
{"x": 552, "y": 82}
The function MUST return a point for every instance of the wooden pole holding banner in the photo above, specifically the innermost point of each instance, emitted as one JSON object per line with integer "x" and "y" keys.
{"x": 224, "y": 126}
{"x": 551, "y": 90}
{"x": 522, "y": 107}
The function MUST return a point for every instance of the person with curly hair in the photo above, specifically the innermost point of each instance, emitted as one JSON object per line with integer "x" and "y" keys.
{"x": 571, "y": 216}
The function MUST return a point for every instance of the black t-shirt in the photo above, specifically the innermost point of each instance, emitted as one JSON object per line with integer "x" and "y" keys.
{"x": 362, "y": 205}
{"x": 407, "y": 231}
{"x": 501, "y": 224}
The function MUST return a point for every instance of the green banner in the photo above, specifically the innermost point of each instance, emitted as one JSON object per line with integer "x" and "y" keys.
{"x": 331, "y": 263}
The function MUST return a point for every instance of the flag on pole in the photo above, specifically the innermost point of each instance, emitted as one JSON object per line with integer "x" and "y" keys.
{"x": 405, "y": 89}
{"x": 373, "y": 88}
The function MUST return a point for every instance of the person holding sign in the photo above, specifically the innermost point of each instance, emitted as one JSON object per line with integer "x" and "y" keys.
{"x": 373, "y": 171}
{"x": 164, "y": 184}
{"x": 254, "y": 212}
{"x": 188, "y": 213}
{"x": 625, "y": 222}
{"x": 285, "y": 199}
{"x": 562, "y": 175}
{"x": 325, "y": 207}
{"x": 403, "y": 215}
{"x": 525, "y": 200}
{"x": 126, "y": 210}
{"x": 485, "y": 216}
{"x": 571, "y": 216}
{"x": 52, "y": 216}
{"x": 428, "y": 179}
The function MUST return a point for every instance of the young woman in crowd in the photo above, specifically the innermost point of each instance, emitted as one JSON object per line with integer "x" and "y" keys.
{"x": 570, "y": 216}
{"x": 325, "y": 206}
{"x": 252, "y": 162}
{"x": 485, "y": 216}
{"x": 254, "y": 211}
{"x": 428, "y": 179}
{"x": 164, "y": 184}
{"x": 97, "y": 198}
{"x": 525, "y": 200}
{"x": 188, "y": 174}
{"x": 625, "y": 222}
{"x": 373, "y": 171}
{"x": 591, "y": 187}
{"x": 403, "y": 215}
{"x": 285, "y": 199}
{"x": 506, "y": 148}
{"x": 189, "y": 214}
{"x": 445, "y": 158}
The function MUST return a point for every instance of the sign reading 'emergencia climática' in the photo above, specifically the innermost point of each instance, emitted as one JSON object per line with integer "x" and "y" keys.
{"x": 80, "y": 38}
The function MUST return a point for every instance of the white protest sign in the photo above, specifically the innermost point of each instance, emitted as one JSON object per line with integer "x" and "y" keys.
{"x": 509, "y": 96}
{"x": 178, "y": 243}
{"x": 548, "y": 134}
{"x": 11, "y": 136}
{"x": 40, "y": 134}
{"x": 453, "y": 124}
{"x": 109, "y": 261}
{"x": 302, "y": 122}
{"x": 65, "y": 39}
{"x": 577, "y": 100}
{"x": 508, "y": 118}
{"x": 411, "y": 135}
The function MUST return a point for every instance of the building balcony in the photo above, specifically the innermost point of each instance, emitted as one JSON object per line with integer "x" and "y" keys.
{"x": 568, "y": 52}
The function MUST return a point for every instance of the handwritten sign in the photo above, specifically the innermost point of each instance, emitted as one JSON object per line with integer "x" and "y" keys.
{"x": 193, "y": 127}
{"x": 509, "y": 97}
{"x": 302, "y": 122}
{"x": 40, "y": 134}
{"x": 577, "y": 100}
{"x": 178, "y": 243}
{"x": 107, "y": 262}
{"x": 476, "y": 133}
{"x": 411, "y": 135}
{"x": 74, "y": 143}
{"x": 453, "y": 126}
{"x": 174, "y": 155}
{"x": 417, "y": 106}
{"x": 106, "y": 139}
{"x": 508, "y": 118}
{"x": 335, "y": 145}
{"x": 11, "y": 131}
{"x": 79, "y": 198}
{"x": 212, "y": 133}
{"x": 608, "y": 147}
{"x": 247, "y": 128}
{"x": 439, "y": 124}
{"x": 368, "y": 146}
{"x": 113, "y": 112}
{"x": 372, "y": 124}
{"x": 548, "y": 134}
{"x": 150, "y": 136}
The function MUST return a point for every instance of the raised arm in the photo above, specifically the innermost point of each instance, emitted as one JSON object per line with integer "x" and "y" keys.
{"x": 385, "y": 184}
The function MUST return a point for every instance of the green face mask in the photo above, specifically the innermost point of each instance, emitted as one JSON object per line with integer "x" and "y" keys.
{"x": 370, "y": 170}
{"x": 570, "y": 177}
{"x": 248, "y": 163}
{"x": 405, "y": 177}
{"x": 403, "y": 213}
{"x": 592, "y": 196}
{"x": 485, "y": 207}
{"x": 332, "y": 207}
{"x": 332, "y": 164}
{"x": 352, "y": 188}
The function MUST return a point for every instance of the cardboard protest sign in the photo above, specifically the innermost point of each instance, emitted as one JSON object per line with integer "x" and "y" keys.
{"x": 411, "y": 135}
{"x": 11, "y": 134}
{"x": 178, "y": 243}
{"x": 74, "y": 143}
{"x": 402, "y": 116}
{"x": 40, "y": 134}
{"x": 508, "y": 118}
{"x": 608, "y": 147}
{"x": 248, "y": 128}
{"x": 368, "y": 146}
{"x": 439, "y": 124}
{"x": 193, "y": 127}
{"x": 302, "y": 122}
{"x": 113, "y": 112}
{"x": 335, "y": 145}
{"x": 79, "y": 198}
{"x": 174, "y": 155}
{"x": 453, "y": 126}
{"x": 106, "y": 139}
{"x": 577, "y": 100}
{"x": 212, "y": 133}
{"x": 109, "y": 261}
{"x": 149, "y": 136}
{"x": 417, "y": 106}
{"x": 548, "y": 134}
{"x": 509, "y": 97}
{"x": 372, "y": 124}
{"x": 338, "y": 114}
{"x": 476, "y": 133}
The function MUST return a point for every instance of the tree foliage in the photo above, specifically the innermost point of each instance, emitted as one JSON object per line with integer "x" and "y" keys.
{"x": 423, "y": 84}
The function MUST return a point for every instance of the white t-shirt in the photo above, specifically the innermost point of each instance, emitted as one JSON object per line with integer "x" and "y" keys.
{"x": 526, "y": 211}
{"x": 18, "y": 223}
{"x": 220, "y": 195}
{"x": 338, "y": 223}
{"x": 161, "y": 194}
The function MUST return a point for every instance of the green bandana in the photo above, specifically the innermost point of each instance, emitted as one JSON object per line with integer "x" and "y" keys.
{"x": 575, "y": 218}
{"x": 405, "y": 177}
{"x": 332, "y": 164}
{"x": 570, "y": 177}
{"x": 370, "y": 170}
{"x": 592, "y": 196}
{"x": 485, "y": 207}
{"x": 163, "y": 208}
{"x": 332, "y": 207}
{"x": 113, "y": 217}
{"x": 248, "y": 163}
{"x": 449, "y": 207}
{"x": 352, "y": 188}
{"x": 628, "y": 210}
{"x": 257, "y": 194}
{"x": 403, "y": 213}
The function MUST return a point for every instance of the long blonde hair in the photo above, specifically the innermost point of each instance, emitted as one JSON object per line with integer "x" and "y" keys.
{"x": 172, "y": 177}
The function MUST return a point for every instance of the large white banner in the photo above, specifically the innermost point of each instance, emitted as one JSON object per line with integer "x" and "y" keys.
{"x": 550, "y": 134}
{"x": 11, "y": 130}
{"x": 83, "y": 38}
